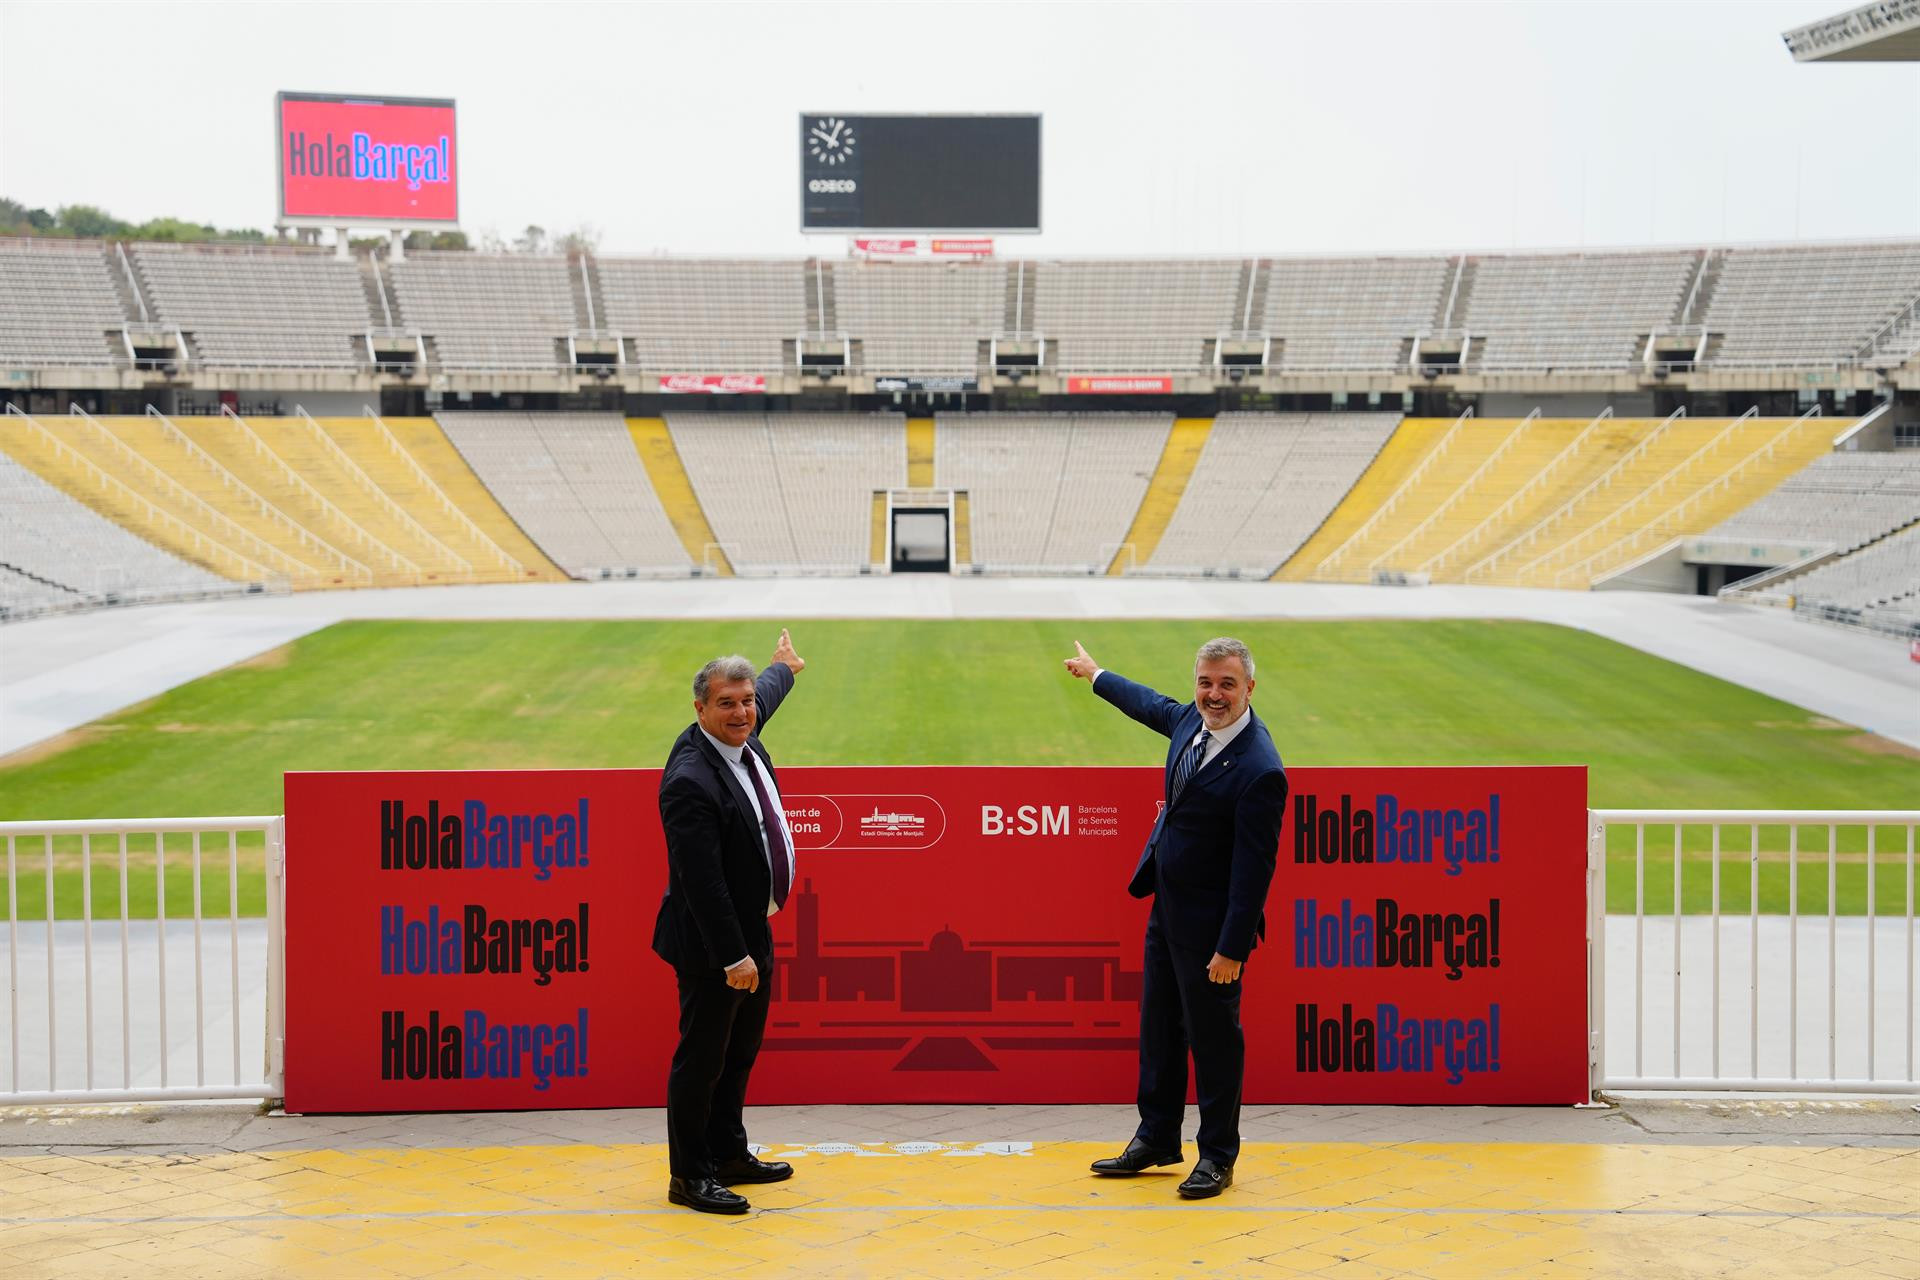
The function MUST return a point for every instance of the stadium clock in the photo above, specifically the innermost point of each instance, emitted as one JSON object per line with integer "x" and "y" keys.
{"x": 830, "y": 141}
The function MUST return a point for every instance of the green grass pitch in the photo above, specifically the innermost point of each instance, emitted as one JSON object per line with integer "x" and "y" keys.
{"x": 374, "y": 695}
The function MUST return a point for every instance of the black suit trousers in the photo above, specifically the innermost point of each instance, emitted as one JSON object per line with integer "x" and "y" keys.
{"x": 720, "y": 1032}
{"x": 1181, "y": 1008}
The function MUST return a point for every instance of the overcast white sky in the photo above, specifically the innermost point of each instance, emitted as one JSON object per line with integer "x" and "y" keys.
{"x": 1170, "y": 128}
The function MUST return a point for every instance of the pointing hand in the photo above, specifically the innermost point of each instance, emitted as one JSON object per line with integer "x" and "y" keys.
{"x": 783, "y": 652}
{"x": 1082, "y": 663}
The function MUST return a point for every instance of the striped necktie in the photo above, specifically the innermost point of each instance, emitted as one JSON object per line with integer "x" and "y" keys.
{"x": 1189, "y": 764}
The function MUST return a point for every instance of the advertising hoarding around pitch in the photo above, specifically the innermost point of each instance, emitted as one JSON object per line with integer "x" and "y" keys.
{"x": 920, "y": 173}
{"x": 357, "y": 160}
{"x": 713, "y": 384}
{"x": 1121, "y": 385}
{"x": 479, "y": 940}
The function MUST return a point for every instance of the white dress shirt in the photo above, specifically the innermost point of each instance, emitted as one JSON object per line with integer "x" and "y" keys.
{"x": 1221, "y": 737}
{"x": 740, "y": 760}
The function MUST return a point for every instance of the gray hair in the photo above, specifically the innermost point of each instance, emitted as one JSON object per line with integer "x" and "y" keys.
{"x": 1224, "y": 647}
{"x": 730, "y": 668}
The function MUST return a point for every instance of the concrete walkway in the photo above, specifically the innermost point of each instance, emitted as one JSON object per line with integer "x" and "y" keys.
{"x": 61, "y": 672}
{"x": 1650, "y": 1189}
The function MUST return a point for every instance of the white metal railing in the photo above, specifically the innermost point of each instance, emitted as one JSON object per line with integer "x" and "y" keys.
{"x": 1834, "y": 1027}
{"x": 1829, "y": 1025}
{"x": 58, "y": 1019}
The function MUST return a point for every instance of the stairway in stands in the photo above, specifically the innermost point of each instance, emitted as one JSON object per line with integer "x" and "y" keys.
{"x": 671, "y": 484}
{"x": 920, "y": 453}
{"x": 1185, "y": 442}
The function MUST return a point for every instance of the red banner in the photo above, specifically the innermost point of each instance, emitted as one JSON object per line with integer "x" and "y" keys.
{"x": 479, "y": 940}
{"x": 367, "y": 160}
{"x": 975, "y": 248}
{"x": 1122, "y": 386}
{"x": 713, "y": 384}
{"x": 886, "y": 248}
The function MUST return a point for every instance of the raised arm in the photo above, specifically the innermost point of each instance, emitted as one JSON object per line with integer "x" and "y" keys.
{"x": 1151, "y": 708}
{"x": 770, "y": 689}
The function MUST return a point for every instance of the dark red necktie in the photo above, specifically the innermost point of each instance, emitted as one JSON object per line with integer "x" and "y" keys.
{"x": 774, "y": 826}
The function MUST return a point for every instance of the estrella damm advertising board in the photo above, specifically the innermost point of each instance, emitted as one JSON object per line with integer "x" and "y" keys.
{"x": 389, "y": 161}
{"x": 472, "y": 940}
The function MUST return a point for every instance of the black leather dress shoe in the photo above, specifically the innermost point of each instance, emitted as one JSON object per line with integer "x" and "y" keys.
{"x": 750, "y": 1168}
{"x": 1207, "y": 1179}
{"x": 1136, "y": 1157}
{"x": 706, "y": 1195}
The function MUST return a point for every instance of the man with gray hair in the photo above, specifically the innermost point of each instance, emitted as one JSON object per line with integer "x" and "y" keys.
{"x": 1207, "y": 866}
{"x": 730, "y": 867}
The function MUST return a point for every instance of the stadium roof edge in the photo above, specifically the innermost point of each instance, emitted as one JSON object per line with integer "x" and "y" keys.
{"x": 1339, "y": 255}
{"x": 1332, "y": 255}
{"x": 1884, "y": 31}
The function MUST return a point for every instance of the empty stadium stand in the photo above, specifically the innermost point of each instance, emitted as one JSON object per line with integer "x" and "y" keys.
{"x": 705, "y": 316}
{"x": 1581, "y": 311}
{"x": 1548, "y": 502}
{"x": 1881, "y": 575}
{"x": 674, "y": 488}
{"x": 1843, "y": 499}
{"x": 792, "y": 492}
{"x": 1337, "y": 495}
{"x": 281, "y": 307}
{"x": 280, "y": 501}
{"x": 1133, "y": 317}
{"x": 575, "y": 483}
{"x": 1263, "y": 485}
{"x": 59, "y": 305}
{"x": 258, "y": 307}
{"x": 415, "y": 464}
{"x": 1049, "y": 492}
{"x": 488, "y": 311}
{"x": 1347, "y": 314}
{"x": 55, "y": 553}
{"x": 1808, "y": 306}
{"x": 924, "y": 318}
{"x": 1181, "y": 454}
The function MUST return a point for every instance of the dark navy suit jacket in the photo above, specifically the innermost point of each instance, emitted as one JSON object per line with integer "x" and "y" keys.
{"x": 718, "y": 880}
{"x": 1211, "y": 855}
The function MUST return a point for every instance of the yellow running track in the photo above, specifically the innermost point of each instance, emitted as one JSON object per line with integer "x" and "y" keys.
{"x": 961, "y": 1209}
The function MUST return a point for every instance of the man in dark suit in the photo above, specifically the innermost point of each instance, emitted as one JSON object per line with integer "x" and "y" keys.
{"x": 1207, "y": 866}
{"x": 729, "y": 868}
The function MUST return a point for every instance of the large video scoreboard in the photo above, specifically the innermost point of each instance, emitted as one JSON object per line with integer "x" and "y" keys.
{"x": 919, "y": 173}
{"x": 355, "y": 159}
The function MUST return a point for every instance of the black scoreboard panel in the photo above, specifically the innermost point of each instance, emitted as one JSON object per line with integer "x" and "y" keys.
{"x": 919, "y": 173}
